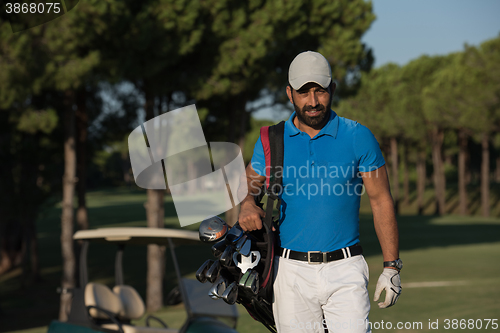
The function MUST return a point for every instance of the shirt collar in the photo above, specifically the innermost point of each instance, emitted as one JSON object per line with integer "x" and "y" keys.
{"x": 331, "y": 127}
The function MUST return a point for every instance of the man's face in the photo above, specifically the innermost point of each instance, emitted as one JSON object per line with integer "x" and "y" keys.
{"x": 311, "y": 103}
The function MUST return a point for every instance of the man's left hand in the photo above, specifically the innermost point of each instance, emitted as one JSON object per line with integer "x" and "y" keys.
{"x": 389, "y": 281}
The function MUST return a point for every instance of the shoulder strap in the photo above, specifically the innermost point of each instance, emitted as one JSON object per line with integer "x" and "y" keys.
{"x": 274, "y": 148}
{"x": 272, "y": 143}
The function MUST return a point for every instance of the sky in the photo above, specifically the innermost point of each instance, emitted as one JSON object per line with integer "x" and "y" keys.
{"x": 407, "y": 29}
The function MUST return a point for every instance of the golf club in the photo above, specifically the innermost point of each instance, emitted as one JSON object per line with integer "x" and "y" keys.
{"x": 202, "y": 271}
{"x": 226, "y": 256}
{"x": 231, "y": 293}
{"x": 218, "y": 248}
{"x": 244, "y": 278}
{"x": 252, "y": 282}
{"x": 213, "y": 272}
{"x": 234, "y": 234}
{"x": 244, "y": 245}
{"x": 212, "y": 229}
{"x": 218, "y": 288}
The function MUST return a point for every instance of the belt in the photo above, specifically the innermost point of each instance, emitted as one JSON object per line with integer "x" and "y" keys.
{"x": 318, "y": 257}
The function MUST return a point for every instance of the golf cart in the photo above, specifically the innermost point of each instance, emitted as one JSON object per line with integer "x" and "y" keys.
{"x": 97, "y": 308}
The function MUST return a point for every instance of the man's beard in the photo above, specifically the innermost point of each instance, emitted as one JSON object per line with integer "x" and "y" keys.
{"x": 314, "y": 121}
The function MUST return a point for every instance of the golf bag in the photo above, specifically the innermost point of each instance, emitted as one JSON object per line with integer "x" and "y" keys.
{"x": 254, "y": 286}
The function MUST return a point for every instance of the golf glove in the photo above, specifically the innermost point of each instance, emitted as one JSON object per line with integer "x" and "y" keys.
{"x": 389, "y": 281}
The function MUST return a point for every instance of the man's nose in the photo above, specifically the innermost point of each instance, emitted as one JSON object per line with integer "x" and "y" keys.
{"x": 313, "y": 99}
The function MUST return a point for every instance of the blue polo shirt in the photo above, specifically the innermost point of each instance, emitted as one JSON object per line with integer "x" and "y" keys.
{"x": 321, "y": 183}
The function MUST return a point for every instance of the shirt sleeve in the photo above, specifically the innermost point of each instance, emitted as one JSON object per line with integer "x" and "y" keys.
{"x": 367, "y": 150}
{"x": 258, "y": 160}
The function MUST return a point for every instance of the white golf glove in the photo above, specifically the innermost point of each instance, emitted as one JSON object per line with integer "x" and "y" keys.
{"x": 389, "y": 281}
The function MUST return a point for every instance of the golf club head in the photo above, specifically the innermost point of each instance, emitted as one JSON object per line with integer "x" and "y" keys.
{"x": 234, "y": 234}
{"x": 218, "y": 288}
{"x": 252, "y": 283}
{"x": 218, "y": 248}
{"x": 231, "y": 293}
{"x": 244, "y": 245}
{"x": 212, "y": 229}
{"x": 213, "y": 272}
{"x": 245, "y": 263}
{"x": 226, "y": 257}
{"x": 202, "y": 271}
{"x": 244, "y": 278}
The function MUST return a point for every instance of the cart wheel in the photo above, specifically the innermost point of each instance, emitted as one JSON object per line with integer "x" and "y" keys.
{"x": 173, "y": 297}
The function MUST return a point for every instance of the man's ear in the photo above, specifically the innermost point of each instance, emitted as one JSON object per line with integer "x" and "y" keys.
{"x": 289, "y": 93}
{"x": 333, "y": 85}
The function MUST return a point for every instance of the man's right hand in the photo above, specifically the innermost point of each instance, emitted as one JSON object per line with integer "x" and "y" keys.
{"x": 251, "y": 215}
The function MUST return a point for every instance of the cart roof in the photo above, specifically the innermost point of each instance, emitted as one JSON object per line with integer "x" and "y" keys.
{"x": 138, "y": 236}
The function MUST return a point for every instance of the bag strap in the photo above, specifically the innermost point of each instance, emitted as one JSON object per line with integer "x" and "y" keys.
{"x": 274, "y": 150}
{"x": 272, "y": 143}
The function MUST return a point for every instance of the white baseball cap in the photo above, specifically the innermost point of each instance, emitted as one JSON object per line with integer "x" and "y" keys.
{"x": 309, "y": 67}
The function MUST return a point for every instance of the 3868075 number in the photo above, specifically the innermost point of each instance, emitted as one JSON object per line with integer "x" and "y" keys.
{"x": 33, "y": 8}
{"x": 470, "y": 324}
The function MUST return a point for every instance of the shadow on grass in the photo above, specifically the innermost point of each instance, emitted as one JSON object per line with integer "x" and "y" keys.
{"x": 417, "y": 232}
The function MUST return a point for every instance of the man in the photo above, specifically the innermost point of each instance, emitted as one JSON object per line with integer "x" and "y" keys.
{"x": 327, "y": 159}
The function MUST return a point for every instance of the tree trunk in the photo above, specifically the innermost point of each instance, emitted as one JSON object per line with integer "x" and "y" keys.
{"x": 68, "y": 279}
{"x": 497, "y": 171}
{"x": 125, "y": 164}
{"x": 81, "y": 118}
{"x": 154, "y": 288}
{"x": 468, "y": 173}
{"x": 154, "y": 212}
{"x": 244, "y": 117}
{"x": 233, "y": 112}
{"x": 485, "y": 176}
{"x": 421, "y": 180}
{"x": 29, "y": 247}
{"x": 462, "y": 186}
{"x": 30, "y": 265}
{"x": 11, "y": 240}
{"x": 406, "y": 177}
{"x": 26, "y": 212}
{"x": 237, "y": 110}
{"x": 437, "y": 160}
{"x": 35, "y": 263}
{"x": 395, "y": 173}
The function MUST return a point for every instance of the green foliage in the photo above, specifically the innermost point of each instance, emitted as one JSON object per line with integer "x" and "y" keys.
{"x": 465, "y": 92}
{"x": 415, "y": 76}
{"x": 33, "y": 121}
{"x": 376, "y": 104}
{"x": 456, "y": 91}
{"x": 258, "y": 40}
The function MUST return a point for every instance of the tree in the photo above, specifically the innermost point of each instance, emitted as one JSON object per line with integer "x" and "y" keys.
{"x": 161, "y": 37}
{"x": 27, "y": 126}
{"x": 252, "y": 43}
{"x": 483, "y": 67}
{"x": 463, "y": 103}
{"x": 415, "y": 76}
{"x": 66, "y": 64}
{"x": 440, "y": 111}
{"x": 219, "y": 54}
{"x": 376, "y": 107}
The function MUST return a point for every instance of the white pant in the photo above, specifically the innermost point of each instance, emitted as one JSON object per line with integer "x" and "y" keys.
{"x": 307, "y": 296}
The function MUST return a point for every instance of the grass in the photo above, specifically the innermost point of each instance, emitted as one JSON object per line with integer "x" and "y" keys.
{"x": 461, "y": 251}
